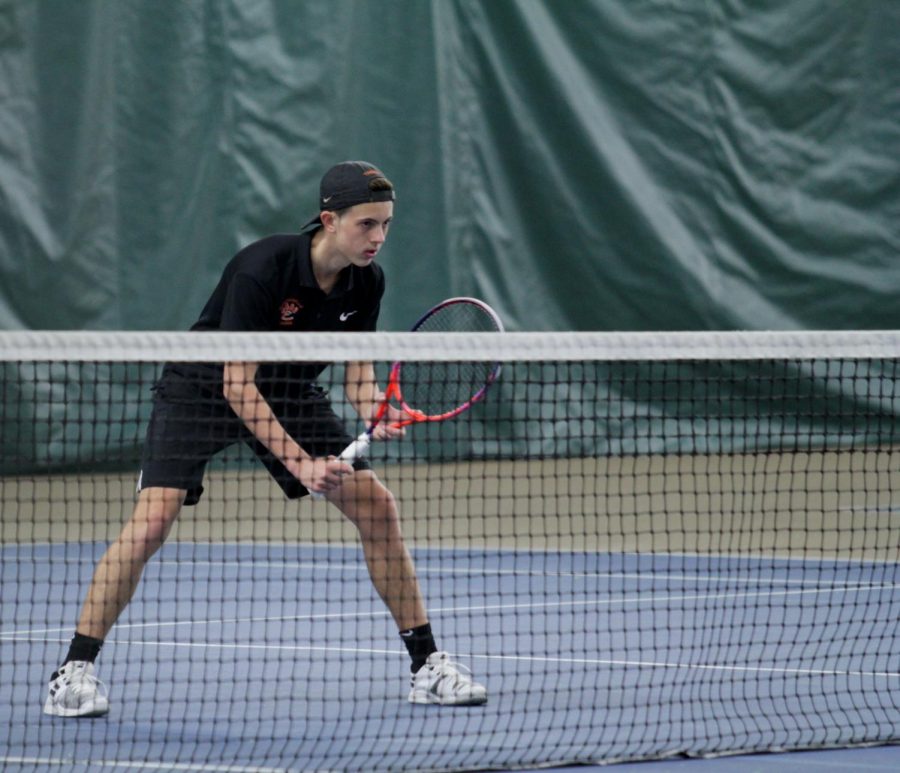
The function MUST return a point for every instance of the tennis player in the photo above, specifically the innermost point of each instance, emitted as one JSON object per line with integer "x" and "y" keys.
{"x": 322, "y": 279}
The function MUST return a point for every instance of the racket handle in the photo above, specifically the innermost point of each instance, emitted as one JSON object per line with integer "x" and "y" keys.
{"x": 356, "y": 449}
{"x": 350, "y": 454}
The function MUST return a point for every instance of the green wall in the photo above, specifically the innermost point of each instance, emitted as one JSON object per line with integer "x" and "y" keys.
{"x": 581, "y": 164}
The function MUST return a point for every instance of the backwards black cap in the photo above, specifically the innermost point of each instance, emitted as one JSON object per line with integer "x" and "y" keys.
{"x": 350, "y": 183}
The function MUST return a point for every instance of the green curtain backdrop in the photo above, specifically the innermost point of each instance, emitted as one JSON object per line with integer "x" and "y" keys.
{"x": 581, "y": 164}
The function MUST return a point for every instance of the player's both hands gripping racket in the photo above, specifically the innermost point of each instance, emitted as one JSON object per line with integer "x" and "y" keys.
{"x": 434, "y": 391}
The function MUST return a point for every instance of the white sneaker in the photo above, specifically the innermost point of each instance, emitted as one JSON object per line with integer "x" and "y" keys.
{"x": 441, "y": 681}
{"x": 76, "y": 692}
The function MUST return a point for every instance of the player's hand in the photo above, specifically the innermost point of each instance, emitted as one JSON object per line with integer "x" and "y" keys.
{"x": 322, "y": 475}
{"x": 385, "y": 429}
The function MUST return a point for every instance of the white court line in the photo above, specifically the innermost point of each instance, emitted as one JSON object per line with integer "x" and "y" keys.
{"x": 499, "y": 552}
{"x": 558, "y": 660}
{"x": 697, "y": 666}
{"x": 359, "y": 567}
{"x": 90, "y": 764}
{"x": 26, "y": 635}
{"x": 356, "y": 567}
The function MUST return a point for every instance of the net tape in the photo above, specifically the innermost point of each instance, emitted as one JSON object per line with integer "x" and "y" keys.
{"x": 389, "y": 346}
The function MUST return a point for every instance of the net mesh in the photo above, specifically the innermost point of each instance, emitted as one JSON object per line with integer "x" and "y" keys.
{"x": 641, "y": 545}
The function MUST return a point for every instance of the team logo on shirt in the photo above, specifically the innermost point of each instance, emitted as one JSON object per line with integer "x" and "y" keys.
{"x": 288, "y": 310}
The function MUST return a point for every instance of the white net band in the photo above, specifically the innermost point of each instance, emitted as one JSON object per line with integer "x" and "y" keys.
{"x": 151, "y": 346}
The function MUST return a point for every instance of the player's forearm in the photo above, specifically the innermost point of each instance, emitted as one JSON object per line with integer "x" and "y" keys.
{"x": 239, "y": 388}
{"x": 267, "y": 429}
{"x": 256, "y": 414}
{"x": 251, "y": 407}
{"x": 362, "y": 389}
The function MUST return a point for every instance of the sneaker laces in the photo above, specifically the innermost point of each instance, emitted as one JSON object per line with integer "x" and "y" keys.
{"x": 447, "y": 667}
{"x": 79, "y": 680}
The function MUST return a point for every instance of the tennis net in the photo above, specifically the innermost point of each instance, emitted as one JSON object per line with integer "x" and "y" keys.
{"x": 643, "y": 545}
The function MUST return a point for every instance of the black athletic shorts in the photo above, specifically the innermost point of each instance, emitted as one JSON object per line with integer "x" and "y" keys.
{"x": 187, "y": 428}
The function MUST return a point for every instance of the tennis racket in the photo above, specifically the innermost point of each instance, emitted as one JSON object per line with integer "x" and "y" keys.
{"x": 435, "y": 391}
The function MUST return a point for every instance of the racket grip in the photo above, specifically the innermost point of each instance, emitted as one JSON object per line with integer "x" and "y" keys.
{"x": 356, "y": 449}
{"x": 350, "y": 454}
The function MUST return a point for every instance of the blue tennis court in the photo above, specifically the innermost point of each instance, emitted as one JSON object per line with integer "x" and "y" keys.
{"x": 252, "y": 657}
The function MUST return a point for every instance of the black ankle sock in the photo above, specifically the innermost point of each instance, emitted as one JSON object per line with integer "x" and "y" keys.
{"x": 83, "y": 648}
{"x": 420, "y": 643}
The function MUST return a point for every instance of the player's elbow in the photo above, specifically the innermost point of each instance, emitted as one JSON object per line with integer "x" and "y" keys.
{"x": 233, "y": 392}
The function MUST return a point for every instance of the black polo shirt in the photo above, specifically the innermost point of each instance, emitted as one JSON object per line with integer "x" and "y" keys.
{"x": 269, "y": 285}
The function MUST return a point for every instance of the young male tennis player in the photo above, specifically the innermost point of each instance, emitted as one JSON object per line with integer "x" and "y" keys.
{"x": 323, "y": 279}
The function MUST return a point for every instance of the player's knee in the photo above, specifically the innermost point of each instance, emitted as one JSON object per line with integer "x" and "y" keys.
{"x": 364, "y": 491}
{"x": 372, "y": 508}
{"x": 153, "y": 518}
{"x": 154, "y": 535}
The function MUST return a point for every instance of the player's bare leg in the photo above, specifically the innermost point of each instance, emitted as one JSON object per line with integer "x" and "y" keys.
{"x": 74, "y": 690}
{"x": 371, "y": 507}
{"x": 366, "y": 502}
{"x": 119, "y": 571}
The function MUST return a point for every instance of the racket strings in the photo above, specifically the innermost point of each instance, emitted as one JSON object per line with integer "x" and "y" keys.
{"x": 440, "y": 388}
{"x": 459, "y": 318}
{"x": 436, "y": 388}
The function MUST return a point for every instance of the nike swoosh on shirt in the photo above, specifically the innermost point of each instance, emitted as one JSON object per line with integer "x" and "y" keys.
{"x": 345, "y": 315}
